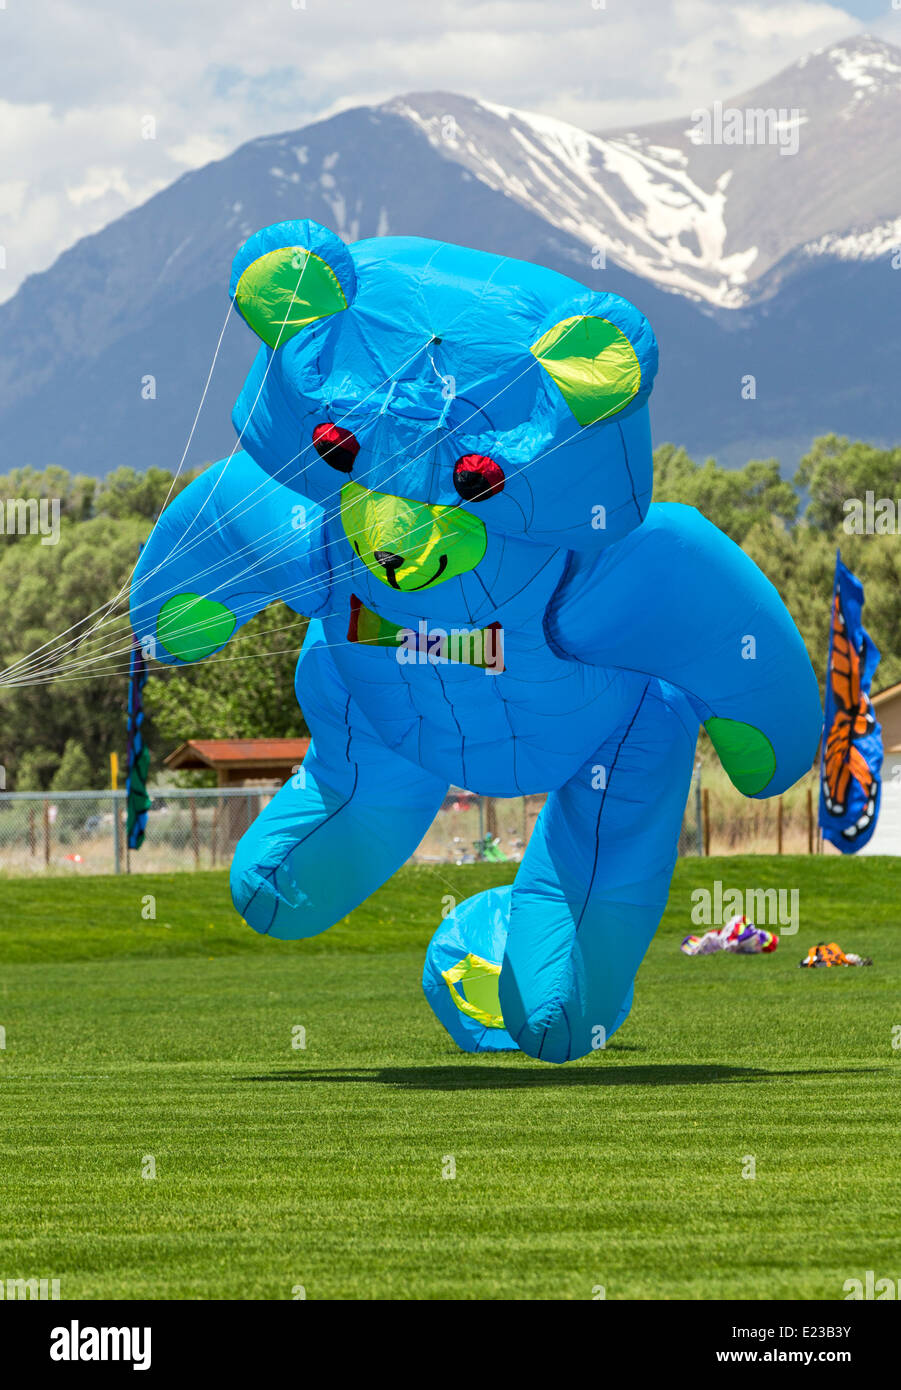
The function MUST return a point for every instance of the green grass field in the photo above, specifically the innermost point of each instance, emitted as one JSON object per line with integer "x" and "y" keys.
{"x": 133, "y": 1042}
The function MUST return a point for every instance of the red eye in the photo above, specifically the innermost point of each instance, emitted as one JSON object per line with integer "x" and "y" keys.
{"x": 477, "y": 477}
{"x": 337, "y": 446}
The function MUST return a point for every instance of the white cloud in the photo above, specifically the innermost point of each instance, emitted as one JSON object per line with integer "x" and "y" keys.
{"x": 79, "y": 80}
{"x": 199, "y": 149}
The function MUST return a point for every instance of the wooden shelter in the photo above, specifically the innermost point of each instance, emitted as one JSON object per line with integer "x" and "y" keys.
{"x": 240, "y": 762}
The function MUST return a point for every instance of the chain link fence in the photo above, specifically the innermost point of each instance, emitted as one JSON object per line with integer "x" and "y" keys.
{"x": 84, "y": 832}
{"x": 53, "y": 832}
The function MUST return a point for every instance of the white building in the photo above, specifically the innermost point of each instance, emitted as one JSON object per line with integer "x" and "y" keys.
{"x": 887, "y": 835}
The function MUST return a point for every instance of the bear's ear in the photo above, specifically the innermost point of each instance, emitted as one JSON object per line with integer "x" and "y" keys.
{"x": 600, "y": 362}
{"x": 289, "y": 275}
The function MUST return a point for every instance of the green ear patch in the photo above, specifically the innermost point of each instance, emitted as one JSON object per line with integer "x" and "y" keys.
{"x": 594, "y": 365}
{"x": 286, "y": 290}
{"x": 745, "y": 753}
{"x": 191, "y": 627}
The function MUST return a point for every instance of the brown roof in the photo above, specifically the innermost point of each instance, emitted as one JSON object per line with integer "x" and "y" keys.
{"x": 238, "y": 752}
{"x": 889, "y": 693}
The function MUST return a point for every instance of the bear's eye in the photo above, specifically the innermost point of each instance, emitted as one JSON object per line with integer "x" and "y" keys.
{"x": 477, "y": 477}
{"x": 337, "y": 446}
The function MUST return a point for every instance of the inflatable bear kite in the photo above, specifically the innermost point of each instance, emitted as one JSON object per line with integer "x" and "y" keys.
{"x": 445, "y": 462}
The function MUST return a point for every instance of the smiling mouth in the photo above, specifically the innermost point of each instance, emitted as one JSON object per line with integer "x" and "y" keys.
{"x": 442, "y": 566}
{"x": 391, "y": 577}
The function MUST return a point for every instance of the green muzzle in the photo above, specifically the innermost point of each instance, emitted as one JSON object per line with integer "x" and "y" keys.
{"x": 410, "y": 545}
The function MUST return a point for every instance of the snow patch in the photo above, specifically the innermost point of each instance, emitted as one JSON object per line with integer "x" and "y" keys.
{"x": 647, "y": 212}
{"x": 862, "y": 245}
{"x": 669, "y": 156}
{"x": 863, "y": 68}
{"x": 656, "y": 210}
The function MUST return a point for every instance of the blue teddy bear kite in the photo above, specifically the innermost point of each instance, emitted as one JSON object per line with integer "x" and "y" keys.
{"x": 446, "y": 464}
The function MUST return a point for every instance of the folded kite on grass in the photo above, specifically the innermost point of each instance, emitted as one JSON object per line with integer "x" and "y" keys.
{"x": 830, "y": 953}
{"x": 739, "y": 937}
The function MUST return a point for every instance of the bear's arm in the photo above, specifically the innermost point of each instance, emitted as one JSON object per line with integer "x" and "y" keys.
{"x": 230, "y": 544}
{"x": 679, "y": 600}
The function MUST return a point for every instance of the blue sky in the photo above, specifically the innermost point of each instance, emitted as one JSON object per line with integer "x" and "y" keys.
{"x": 82, "y": 77}
{"x": 868, "y": 10}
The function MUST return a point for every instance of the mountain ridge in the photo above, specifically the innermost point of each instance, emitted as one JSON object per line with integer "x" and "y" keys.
{"x": 147, "y": 295}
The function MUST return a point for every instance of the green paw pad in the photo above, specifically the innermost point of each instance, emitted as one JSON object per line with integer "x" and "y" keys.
{"x": 478, "y": 996}
{"x": 745, "y": 753}
{"x": 191, "y": 627}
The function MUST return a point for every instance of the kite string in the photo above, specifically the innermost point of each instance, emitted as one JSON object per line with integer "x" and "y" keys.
{"x": 112, "y": 602}
{"x": 123, "y": 587}
{"x": 39, "y": 668}
{"x": 407, "y": 461}
{"x": 17, "y": 667}
{"x": 314, "y": 582}
{"x": 305, "y": 584}
{"x": 27, "y": 663}
{"x": 356, "y": 406}
{"x": 282, "y": 327}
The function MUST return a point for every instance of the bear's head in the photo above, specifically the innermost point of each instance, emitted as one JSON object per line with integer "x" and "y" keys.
{"x": 440, "y": 399}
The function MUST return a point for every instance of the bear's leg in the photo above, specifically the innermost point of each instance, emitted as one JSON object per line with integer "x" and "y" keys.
{"x": 594, "y": 881}
{"x": 334, "y": 832}
{"x": 462, "y": 965}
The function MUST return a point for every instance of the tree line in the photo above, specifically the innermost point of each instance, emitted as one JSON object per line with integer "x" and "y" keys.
{"x": 58, "y": 731}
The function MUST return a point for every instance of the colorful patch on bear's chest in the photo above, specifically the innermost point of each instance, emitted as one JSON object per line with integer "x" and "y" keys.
{"x": 425, "y": 644}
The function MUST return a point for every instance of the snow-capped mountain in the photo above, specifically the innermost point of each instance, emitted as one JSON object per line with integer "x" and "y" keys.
{"x": 708, "y": 220}
{"x": 750, "y": 262}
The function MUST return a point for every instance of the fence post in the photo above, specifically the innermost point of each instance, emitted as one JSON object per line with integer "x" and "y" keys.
{"x": 195, "y": 838}
{"x": 699, "y": 819}
{"x": 779, "y": 827}
{"x": 46, "y": 806}
{"x": 117, "y": 865}
{"x": 809, "y": 821}
{"x": 706, "y": 803}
